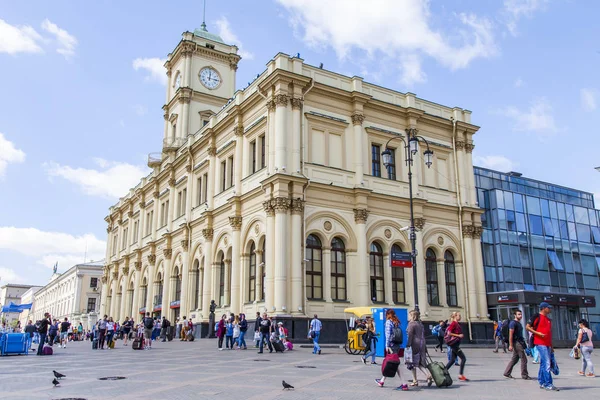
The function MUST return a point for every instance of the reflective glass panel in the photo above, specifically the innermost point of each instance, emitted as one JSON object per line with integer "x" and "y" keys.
{"x": 533, "y": 205}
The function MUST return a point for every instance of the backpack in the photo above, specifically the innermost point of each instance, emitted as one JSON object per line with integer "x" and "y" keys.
{"x": 397, "y": 335}
{"x": 534, "y": 322}
{"x": 148, "y": 323}
{"x": 504, "y": 330}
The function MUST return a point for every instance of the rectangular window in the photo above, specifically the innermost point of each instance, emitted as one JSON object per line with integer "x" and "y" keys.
{"x": 253, "y": 156}
{"x": 391, "y": 168}
{"x": 375, "y": 160}
{"x": 91, "y": 304}
{"x": 151, "y": 222}
{"x": 554, "y": 261}
{"x": 124, "y": 239}
{"x": 179, "y": 203}
{"x": 231, "y": 181}
{"x": 262, "y": 151}
{"x": 205, "y": 190}
{"x": 223, "y": 175}
{"x": 183, "y": 201}
{"x": 198, "y": 191}
{"x": 136, "y": 230}
{"x": 115, "y": 243}
{"x": 93, "y": 282}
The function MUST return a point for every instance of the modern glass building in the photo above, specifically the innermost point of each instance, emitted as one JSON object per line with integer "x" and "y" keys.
{"x": 540, "y": 242}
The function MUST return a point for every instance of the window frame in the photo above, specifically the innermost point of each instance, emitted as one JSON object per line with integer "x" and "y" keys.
{"x": 338, "y": 262}
{"x": 252, "y": 273}
{"x": 375, "y": 258}
{"x": 398, "y": 276}
{"x": 375, "y": 160}
{"x": 449, "y": 271}
{"x": 391, "y": 169}
{"x": 430, "y": 273}
{"x": 310, "y": 251}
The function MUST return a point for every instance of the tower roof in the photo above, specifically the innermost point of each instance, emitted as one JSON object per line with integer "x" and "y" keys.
{"x": 203, "y": 33}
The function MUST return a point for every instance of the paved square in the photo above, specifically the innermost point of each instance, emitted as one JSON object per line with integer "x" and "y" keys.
{"x": 197, "y": 370}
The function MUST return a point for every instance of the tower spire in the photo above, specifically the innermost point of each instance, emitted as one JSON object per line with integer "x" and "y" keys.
{"x": 204, "y": 18}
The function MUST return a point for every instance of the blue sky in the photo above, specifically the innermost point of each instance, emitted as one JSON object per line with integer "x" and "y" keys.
{"x": 81, "y": 91}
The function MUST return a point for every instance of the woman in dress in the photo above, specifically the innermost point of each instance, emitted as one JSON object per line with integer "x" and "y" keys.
{"x": 392, "y": 323}
{"x": 587, "y": 347}
{"x": 416, "y": 342}
{"x": 454, "y": 336}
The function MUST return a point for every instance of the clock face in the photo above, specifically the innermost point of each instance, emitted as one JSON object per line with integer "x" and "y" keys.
{"x": 210, "y": 78}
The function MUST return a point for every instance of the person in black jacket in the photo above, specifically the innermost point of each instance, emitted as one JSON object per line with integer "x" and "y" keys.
{"x": 257, "y": 327}
{"x": 164, "y": 327}
{"x": 43, "y": 331}
{"x": 243, "y": 328}
{"x": 29, "y": 330}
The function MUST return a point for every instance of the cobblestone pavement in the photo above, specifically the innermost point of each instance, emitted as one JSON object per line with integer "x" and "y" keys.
{"x": 197, "y": 370}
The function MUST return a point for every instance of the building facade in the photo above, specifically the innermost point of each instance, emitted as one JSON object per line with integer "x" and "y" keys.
{"x": 274, "y": 198}
{"x": 74, "y": 294}
{"x": 540, "y": 242}
{"x": 26, "y": 298}
{"x": 11, "y": 293}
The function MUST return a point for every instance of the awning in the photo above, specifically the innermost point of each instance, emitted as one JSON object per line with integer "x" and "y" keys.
{"x": 359, "y": 311}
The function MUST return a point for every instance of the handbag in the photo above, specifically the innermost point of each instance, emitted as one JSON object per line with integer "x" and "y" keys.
{"x": 256, "y": 336}
{"x": 575, "y": 353}
{"x": 554, "y": 365}
{"x": 408, "y": 355}
{"x": 584, "y": 336}
{"x": 312, "y": 334}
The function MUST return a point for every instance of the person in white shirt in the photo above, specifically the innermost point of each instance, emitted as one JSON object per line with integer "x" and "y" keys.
{"x": 184, "y": 329}
{"x": 110, "y": 331}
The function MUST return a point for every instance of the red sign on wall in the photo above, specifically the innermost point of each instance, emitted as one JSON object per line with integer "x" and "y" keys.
{"x": 401, "y": 259}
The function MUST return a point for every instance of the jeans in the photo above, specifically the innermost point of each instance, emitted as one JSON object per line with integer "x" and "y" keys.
{"x": 41, "y": 345}
{"x": 457, "y": 352}
{"x": 36, "y": 337}
{"x": 449, "y": 353}
{"x": 221, "y": 341}
{"x": 518, "y": 353}
{"x": 371, "y": 352}
{"x": 544, "y": 376}
{"x": 316, "y": 347}
{"x": 29, "y": 341}
{"x": 265, "y": 337}
{"x": 101, "y": 338}
{"x": 586, "y": 359}
{"x": 229, "y": 342}
{"x": 241, "y": 340}
{"x": 109, "y": 337}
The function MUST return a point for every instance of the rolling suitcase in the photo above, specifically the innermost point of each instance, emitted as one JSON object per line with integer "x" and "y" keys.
{"x": 94, "y": 344}
{"x": 438, "y": 371}
{"x": 278, "y": 346}
{"x": 47, "y": 350}
{"x": 190, "y": 337}
{"x": 138, "y": 343}
{"x": 390, "y": 365}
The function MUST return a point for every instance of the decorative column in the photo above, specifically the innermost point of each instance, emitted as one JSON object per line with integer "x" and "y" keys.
{"x": 421, "y": 269}
{"x": 206, "y": 280}
{"x": 141, "y": 224}
{"x": 441, "y": 271}
{"x": 297, "y": 288}
{"x": 236, "y": 225}
{"x": 238, "y": 131}
{"x": 154, "y": 226}
{"x": 469, "y": 146}
{"x": 171, "y": 209}
{"x": 459, "y": 145}
{"x": 281, "y": 101}
{"x": 357, "y": 120}
{"x": 113, "y": 303}
{"x": 269, "y": 257}
{"x": 281, "y": 206}
{"x": 469, "y": 265}
{"x": 167, "y": 282}
{"x": 259, "y": 273}
{"x": 135, "y": 307}
{"x": 151, "y": 271}
{"x": 363, "y": 274}
{"x": 387, "y": 278}
{"x": 103, "y": 295}
{"x": 185, "y": 101}
{"x": 210, "y": 196}
{"x": 227, "y": 283}
{"x": 296, "y": 137}
{"x": 326, "y": 271}
{"x": 184, "y": 306}
{"x": 477, "y": 268}
{"x": 271, "y": 139}
{"x": 124, "y": 294}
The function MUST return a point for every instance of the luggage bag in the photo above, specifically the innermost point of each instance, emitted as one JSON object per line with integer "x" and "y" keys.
{"x": 47, "y": 350}
{"x": 94, "y": 344}
{"x": 438, "y": 371}
{"x": 390, "y": 365}
{"x": 278, "y": 346}
{"x": 138, "y": 343}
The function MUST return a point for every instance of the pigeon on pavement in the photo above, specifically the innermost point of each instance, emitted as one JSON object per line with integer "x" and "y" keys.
{"x": 58, "y": 374}
{"x": 286, "y": 385}
{"x": 55, "y": 382}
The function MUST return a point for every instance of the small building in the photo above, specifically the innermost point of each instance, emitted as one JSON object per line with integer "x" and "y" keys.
{"x": 26, "y": 298}
{"x": 11, "y": 293}
{"x": 540, "y": 242}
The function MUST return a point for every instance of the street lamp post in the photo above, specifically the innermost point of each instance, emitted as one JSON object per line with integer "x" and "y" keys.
{"x": 411, "y": 148}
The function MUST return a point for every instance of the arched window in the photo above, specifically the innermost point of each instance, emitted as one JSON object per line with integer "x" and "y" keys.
{"x": 177, "y": 285}
{"x": 376, "y": 263}
{"x": 451, "y": 295}
{"x": 222, "y": 280}
{"x": 144, "y": 292}
{"x": 338, "y": 270}
{"x": 264, "y": 270}
{"x": 252, "y": 274}
{"x": 432, "y": 278}
{"x": 398, "y": 289}
{"x": 159, "y": 292}
{"x": 314, "y": 268}
{"x": 197, "y": 287}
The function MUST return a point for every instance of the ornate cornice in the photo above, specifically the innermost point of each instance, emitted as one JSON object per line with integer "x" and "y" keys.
{"x": 296, "y": 103}
{"x": 125, "y": 270}
{"x": 238, "y": 130}
{"x": 137, "y": 265}
{"x": 281, "y": 100}
{"x": 168, "y": 252}
{"x": 208, "y": 233}
{"x": 280, "y": 204}
{"x": 419, "y": 223}
{"x": 477, "y": 231}
{"x": 469, "y": 147}
{"x": 151, "y": 259}
{"x": 268, "y": 209}
{"x": 459, "y": 144}
{"x": 357, "y": 118}
{"x": 467, "y": 231}
{"x": 212, "y": 151}
{"x": 297, "y": 206}
{"x": 361, "y": 215}
{"x": 235, "y": 222}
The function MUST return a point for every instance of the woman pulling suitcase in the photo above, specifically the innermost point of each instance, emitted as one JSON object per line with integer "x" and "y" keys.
{"x": 393, "y": 342}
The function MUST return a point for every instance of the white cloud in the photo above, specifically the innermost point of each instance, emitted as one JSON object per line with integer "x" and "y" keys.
{"x": 18, "y": 39}
{"x": 50, "y": 247}
{"x": 155, "y": 66}
{"x": 230, "y": 38}
{"x": 112, "y": 179}
{"x": 8, "y": 275}
{"x": 395, "y": 28}
{"x": 518, "y": 83}
{"x": 517, "y": 9}
{"x": 411, "y": 72}
{"x": 66, "y": 41}
{"x": 140, "y": 110}
{"x": 499, "y": 163}
{"x": 588, "y": 99}
{"x": 9, "y": 154}
{"x": 538, "y": 118}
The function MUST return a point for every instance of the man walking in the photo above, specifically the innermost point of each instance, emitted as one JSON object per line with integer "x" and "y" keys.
{"x": 541, "y": 328}
{"x": 257, "y": 326}
{"x": 265, "y": 333}
{"x": 102, "y": 328}
{"x": 64, "y": 333}
{"x": 29, "y": 330}
{"x": 164, "y": 327}
{"x": 315, "y": 332}
{"x": 42, "y": 332}
{"x": 148, "y": 328}
{"x": 498, "y": 337}
{"x": 516, "y": 344}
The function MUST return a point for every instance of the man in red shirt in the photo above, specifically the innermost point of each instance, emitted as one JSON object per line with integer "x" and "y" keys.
{"x": 541, "y": 328}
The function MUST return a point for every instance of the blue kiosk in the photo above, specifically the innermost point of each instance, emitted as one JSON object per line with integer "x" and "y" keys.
{"x": 379, "y": 320}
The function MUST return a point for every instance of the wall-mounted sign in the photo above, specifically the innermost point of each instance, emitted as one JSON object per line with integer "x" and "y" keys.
{"x": 174, "y": 304}
{"x": 401, "y": 259}
{"x": 508, "y": 298}
{"x": 589, "y": 301}
{"x": 143, "y": 310}
{"x": 548, "y": 297}
{"x": 157, "y": 307}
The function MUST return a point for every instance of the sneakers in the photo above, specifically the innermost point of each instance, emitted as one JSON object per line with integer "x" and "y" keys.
{"x": 494, "y": 351}
{"x": 463, "y": 378}
{"x": 580, "y": 373}
{"x": 364, "y": 360}
{"x": 508, "y": 376}
{"x": 373, "y": 363}
{"x": 379, "y": 382}
{"x": 590, "y": 375}
{"x": 527, "y": 378}
{"x": 319, "y": 351}
{"x": 552, "y": 388}
{"x": 404, "y": 387}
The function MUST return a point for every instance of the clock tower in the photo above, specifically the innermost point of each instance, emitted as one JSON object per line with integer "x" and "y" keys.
{"x": 201, "y": 79}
